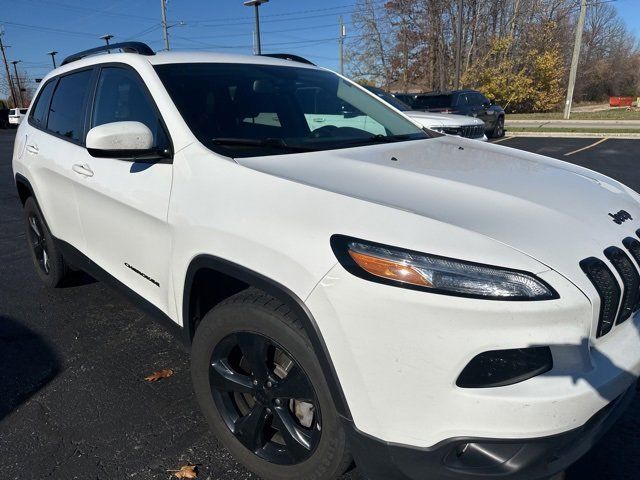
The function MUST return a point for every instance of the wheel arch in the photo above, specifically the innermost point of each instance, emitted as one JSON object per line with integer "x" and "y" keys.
{"x": 25, "y": 190}
{"x": 222, "y": 279}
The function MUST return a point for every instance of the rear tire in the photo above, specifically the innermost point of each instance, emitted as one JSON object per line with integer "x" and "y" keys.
{"x": 240, "y": 326}
{"x": 46, "y": 257}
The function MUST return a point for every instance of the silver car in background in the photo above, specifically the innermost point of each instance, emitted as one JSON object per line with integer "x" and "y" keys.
{"x": 460, "y": 125}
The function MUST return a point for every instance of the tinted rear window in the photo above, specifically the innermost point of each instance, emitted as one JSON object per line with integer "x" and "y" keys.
{"x": 432, "y": 101}
{"x": 41, "y": 108}
{"x": 67, "y": 107}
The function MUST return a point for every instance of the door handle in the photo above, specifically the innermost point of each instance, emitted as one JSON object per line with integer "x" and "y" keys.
{"x": 33, "y": 149}
{"x": 84, "y": 170}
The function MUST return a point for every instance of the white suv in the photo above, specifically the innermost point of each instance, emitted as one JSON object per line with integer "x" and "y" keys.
{"x": 425, "y": 305}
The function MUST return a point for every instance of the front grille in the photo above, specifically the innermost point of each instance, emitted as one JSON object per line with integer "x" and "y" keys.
{"x": 616, "y": 304}
{"x": 467, "y": 131}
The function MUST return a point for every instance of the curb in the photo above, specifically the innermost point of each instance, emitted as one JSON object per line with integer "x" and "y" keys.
{"x": 621, "y": 136}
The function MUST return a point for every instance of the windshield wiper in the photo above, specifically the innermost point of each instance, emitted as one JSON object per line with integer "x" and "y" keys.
{"x": 388, "y": 138}
{"x": 375, "y": 139}
{"x": 260, "y": 142}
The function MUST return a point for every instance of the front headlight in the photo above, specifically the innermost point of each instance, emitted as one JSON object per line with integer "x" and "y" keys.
{"x": 432, "y": 273}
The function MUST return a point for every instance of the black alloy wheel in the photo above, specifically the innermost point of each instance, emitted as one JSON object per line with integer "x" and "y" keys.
{"x": 38, "y": 243}
{"x": 265, "y": 398}
{"x": 47, "y": 258}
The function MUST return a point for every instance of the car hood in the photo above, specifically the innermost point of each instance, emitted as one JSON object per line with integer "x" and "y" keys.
{"x": 553, "y": 211}
{"x": 430, "y": 119}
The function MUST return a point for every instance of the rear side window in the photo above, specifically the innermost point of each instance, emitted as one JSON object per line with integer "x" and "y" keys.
{"x": 41, "y": 108}
{"x": 433, "y": 101}
{"x": 121, "y": 97}
{"x": 66, "y": 117}
{"x": 23, "y": 111}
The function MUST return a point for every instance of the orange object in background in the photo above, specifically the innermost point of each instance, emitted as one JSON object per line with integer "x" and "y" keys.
{"x": 620, "y": 101}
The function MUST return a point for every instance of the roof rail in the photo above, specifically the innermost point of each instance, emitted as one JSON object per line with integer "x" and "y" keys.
{"x": 129, "y": 47}
{"x": 288, "y": 56}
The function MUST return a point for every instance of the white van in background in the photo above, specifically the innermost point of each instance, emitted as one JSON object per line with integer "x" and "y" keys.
{"x": 16, "y": 115}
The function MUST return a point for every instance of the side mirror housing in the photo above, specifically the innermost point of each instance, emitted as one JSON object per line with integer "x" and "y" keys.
{"x": 123, "y": 140}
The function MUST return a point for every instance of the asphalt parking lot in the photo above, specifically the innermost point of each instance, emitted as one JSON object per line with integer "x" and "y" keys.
{"x": 73, "y": 402}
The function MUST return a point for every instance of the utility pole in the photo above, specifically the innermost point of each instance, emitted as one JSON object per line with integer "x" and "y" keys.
{"x": 165, "y": 29}
{"x": 575, "y": 59}
{"x": 15, "y": 69}
{"x": 6, "y": 69}
{"x": 343, "y": 33}
{"x": 459, "y": 44}
{"x": 53, "y": 57}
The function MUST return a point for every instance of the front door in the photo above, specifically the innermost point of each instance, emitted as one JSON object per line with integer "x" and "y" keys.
{"x": 123, "y": 204}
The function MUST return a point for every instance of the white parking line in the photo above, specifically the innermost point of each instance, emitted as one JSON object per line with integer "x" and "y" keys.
{"x": 587, "y": 147}
{"x": 502, "y": 140}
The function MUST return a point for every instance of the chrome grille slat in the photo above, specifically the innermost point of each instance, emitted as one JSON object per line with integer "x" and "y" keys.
{"x": 617, "y": 302}
{"x": 630, "y": 282}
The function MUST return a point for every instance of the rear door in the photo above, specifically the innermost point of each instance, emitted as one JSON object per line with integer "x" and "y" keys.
{"x": 53, "y": 145}
{"x": 123, "y": 204}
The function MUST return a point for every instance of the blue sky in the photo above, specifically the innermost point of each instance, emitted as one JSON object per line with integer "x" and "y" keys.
{"x": 304, "y": 27}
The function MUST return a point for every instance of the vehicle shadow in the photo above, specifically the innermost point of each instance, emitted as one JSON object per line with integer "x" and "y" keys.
{"x": 614, "y": 455}
{"x": 77, "y": 278}
{"x": 27, "y": 363}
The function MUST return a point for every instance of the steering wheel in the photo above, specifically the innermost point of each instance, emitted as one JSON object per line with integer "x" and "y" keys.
{"x": 324, "y": 132}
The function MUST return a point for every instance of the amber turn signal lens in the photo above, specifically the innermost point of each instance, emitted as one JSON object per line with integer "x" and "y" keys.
{"x": 381, "y": 267}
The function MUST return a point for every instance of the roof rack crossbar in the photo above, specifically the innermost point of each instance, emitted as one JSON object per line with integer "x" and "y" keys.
{"x": 129, "y": 47}
{"x": 288, "y": 56}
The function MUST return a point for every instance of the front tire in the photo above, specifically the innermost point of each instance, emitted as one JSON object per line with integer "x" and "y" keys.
{"x": 498, "y": 129}
{"x": 47, "y": 258}
{"x": 261, "y": 389}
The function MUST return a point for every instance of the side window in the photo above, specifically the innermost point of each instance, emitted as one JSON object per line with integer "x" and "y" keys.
{"x": 66, "y": 115}
{"x": 463, "y": 99}
{"x": 476, "y": 99}
{"x": 41, "y": 107}
{"x": 120, "y": 97}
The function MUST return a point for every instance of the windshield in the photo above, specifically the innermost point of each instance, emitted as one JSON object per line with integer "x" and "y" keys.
{"x": 243, "y": 110}
{"x": 433, "y": 101}
{"x": 390, "y": 99}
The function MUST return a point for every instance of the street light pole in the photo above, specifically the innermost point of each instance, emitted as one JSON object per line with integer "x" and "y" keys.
{"x": 574, "y": 61}
{"x": 106, "y": 38}
{"x": 53, "y": 57}
{"x": 15, "y": 69}
{"x": 256, "y": 4}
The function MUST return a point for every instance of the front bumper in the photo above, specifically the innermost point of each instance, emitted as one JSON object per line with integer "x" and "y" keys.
{"x": 397, "y": 354}
{"x": 473, "y": 458}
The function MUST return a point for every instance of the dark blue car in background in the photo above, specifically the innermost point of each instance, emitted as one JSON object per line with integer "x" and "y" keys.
{"x": 460, "y": 102}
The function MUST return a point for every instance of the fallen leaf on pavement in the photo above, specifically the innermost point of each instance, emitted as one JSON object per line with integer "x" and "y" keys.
{"x": 186, "y": 471}
{"x": 155, "y": 376}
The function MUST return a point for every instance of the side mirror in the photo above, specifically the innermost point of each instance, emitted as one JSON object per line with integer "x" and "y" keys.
{"x": 122, "y": 140}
